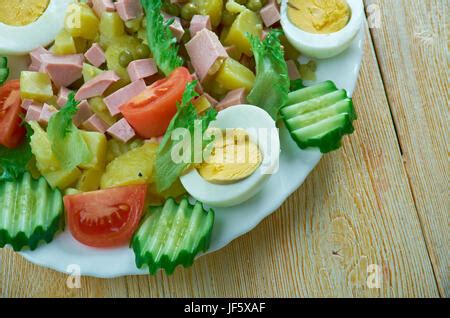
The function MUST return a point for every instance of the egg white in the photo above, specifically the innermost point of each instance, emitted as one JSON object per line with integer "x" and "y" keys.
{"x": 323, "y": 46}
{"x": 248, "y": 118}
{"x": 20, "y": 40}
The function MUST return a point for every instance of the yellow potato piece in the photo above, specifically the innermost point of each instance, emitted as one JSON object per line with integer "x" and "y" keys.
{"x": 62, "y": 179}
{"x": 234, "y": 75}
{"x": 89, "y": 180}
{"x": 133, "y": 167}
{"x": 246, "y": 22}
{"x": 36, "y": 86}
{"x": 81, "y": 21}
{"x": 97, "y": 145}
{"x": 64, "y": 44}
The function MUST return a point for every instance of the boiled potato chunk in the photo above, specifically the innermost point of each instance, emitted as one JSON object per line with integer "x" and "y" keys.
{"x": 154, "y": 197}
{"x": 36, "y": 86}
{"x": 81, "y": 21}
{"x": 133, "y": 167}
{"x": 62, "y": 179}
{"x": 111, "y": 27}
{"x": 202, "y": 104}
{"x": 246, "y": 22}
{"x": 97, "y": 145}
{"x": 64, "y": 44}
{"x": 41, "y": 148}
{"x": 234, "y": 75}
{"x": 211, "y": 8}
{"x": 89, "y": 180}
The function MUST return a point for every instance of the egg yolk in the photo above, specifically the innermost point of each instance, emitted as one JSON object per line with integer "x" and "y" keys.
{"x": 319, "y": 16}
{"x": 233, "y": 158}
{"x": 20, "y": 13}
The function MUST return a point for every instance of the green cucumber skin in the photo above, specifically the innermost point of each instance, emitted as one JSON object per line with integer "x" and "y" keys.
{"x": 30, "y": 212}
{"x": 169, "y": 216}
{"x": 4, "y": 70}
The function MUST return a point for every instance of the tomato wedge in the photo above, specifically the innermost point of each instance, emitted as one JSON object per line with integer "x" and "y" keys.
{"x": 12, "y": 132}
{"x": 151, "y": 111}
{"x": 105, "y": 218}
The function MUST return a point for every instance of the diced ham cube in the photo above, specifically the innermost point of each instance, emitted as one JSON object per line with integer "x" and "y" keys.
{"x": 205, "y": 50}
{"x": 123, "y": 95}
{"x": 293, "y": 70}
{"x": 47, "y": 112}
{"x": 33, "y": 113}
{"x": 63, "y": 70}
{"x": 176, "y": 27}
{"x": 129, "y": 9}
{"x": 270, "y": 14}
{"x": 141, "y": 69}
{"x": 97, "y": 85}
{"x": 36, "y": 59}
{"x": 101, "y": 6}
{"x": 26, "y": 103}
{"x": 84, "y": 113}
{"x": 63, "y": 96}
{"x": 95, "y": 55}
{"x": 122, "y": 131}
{"x": 95, "y": 123}
{"x": 233, "y": 98}
{"x": 198, "y": 23}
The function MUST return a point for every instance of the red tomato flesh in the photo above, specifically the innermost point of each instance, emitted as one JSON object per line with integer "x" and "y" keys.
{"x": 105, "y": 218}
{"x": 12, "y": 132}
{"x": 150, "y": 112}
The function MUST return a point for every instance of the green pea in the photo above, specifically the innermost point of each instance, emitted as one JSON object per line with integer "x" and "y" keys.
{"x": 172, "y": 9}
{"x": 125, "y": 58}
{"x": 228, "y": 18}
{"x": 254, "y": 5}
{"x": 244, "y": 2}
{"x": 142, "y": 51}
{"x": 188, "y": 11}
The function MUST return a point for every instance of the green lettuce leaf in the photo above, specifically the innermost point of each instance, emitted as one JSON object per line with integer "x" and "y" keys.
{"x": 14, "y": 162}
{"x": 271, "y": 88}
{"x": 161, "y": 41}
{"x": 65, "y": 138}
{"x": 166, "y": 170}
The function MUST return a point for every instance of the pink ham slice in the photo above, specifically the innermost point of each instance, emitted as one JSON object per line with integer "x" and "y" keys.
{"x": 141, "y": 69}
{"x": 198, "y": 23}
{"x": 84, "y": 113}
{"x": 270, "y": 14}
{"x": 123, "y": 95}
{"x": 101, "y": 6}
{"x": 95, "y": 55}
{"x": 129, "y": 9}
{"x": 63, "y": 70}
{"x": 96, "y": 124}
{"x": 97, "y": 85}
{"x": 122, "y": 131}
{"x": 198, "y": 87}
{"x": 63, "y": 96}
{"x": 47, "y": 112}
{"x": 176, "y": 27}
{"x": 233, "y": 98}
{"x": 205, "y": 50}
{"x": 36, "y": 59}
{"x": 33, "y": 113}
{"x": 293, "y": 71}
{"x": 26, "y": 103}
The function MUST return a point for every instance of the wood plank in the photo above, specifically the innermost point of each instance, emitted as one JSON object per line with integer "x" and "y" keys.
{"x": 355, "y": 209}
{"x": 411, "y": 46}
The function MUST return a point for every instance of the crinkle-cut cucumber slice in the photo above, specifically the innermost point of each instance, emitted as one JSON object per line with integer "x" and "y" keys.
{"x": 171, "y": 235}
{"x": 310, "y": 92}
{"x": 320, "y": 116}
{"x": 30, "y": 211}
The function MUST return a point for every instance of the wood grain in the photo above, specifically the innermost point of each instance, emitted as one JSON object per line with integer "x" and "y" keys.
{"x": 411, "y": 47}
{"x": 355, "y": 209}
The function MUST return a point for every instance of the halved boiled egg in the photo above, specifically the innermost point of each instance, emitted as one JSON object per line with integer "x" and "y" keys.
{"x": 321, "y": 28}
{"x": 246, "y": 153}
{"x": 26, "y": 25}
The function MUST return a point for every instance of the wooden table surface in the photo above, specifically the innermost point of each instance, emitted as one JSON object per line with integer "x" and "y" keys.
{"x": 382, "y": 199}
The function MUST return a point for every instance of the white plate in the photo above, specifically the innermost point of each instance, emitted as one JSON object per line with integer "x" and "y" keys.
{"x": 295, "y": 165}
